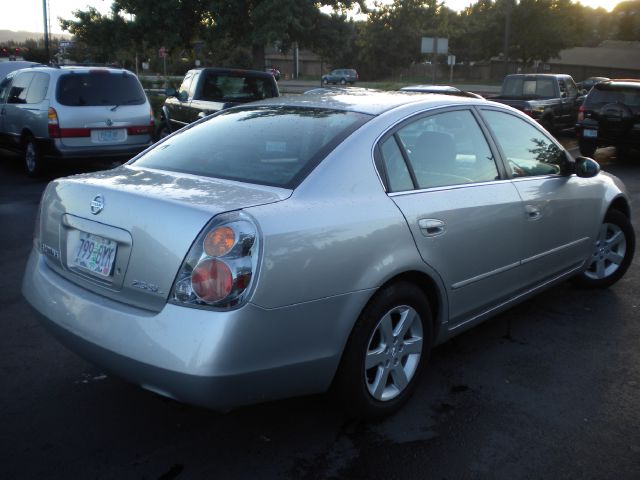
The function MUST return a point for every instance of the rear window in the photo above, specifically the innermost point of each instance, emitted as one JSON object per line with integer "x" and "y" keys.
{"x": 529, "y": 87}
{"x": 275, "y": 146}
{"x": 99, "y": 88}
{"x": 236, "y": 87}
{"x": 601, "y": 94}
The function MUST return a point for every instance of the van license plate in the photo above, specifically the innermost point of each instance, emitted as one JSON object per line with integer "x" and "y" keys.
{"x": 94, "y": 253}
{"x": 108, "y": 136}
{"x": 590, "y": 133}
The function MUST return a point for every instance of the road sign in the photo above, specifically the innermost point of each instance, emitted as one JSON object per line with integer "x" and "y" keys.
{"x": 451, "y": 60}
{"x": 162, "y": 52}
{"x": 435, "y": 45}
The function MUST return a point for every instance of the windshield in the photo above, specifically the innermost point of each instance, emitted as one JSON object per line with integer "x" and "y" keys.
{"x": 529, "y": 87}
{"x": 275, "y": 146}
{"x": 99, "y": 88}
{"x": 615, "y": 94}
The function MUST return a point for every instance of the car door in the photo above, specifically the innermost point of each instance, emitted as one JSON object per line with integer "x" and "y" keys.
{"x": 558, "y": 234}
{"x": 15, "y": 112}
{"x": 5, "y": 86}
{"x": 178, "y": 105}
{"x": 465, "y": 218}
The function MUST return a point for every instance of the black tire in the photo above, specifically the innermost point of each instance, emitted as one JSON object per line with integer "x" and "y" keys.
{"x": 587, "y": 147}
{"x": 164, "y": 130}
{"x": 612, "y": 252}
{"x": 395, "y": 362}
{"x": 343, "y": 81}
{"x": 547, "y": 124}
{"x": 32, "y": 158}
{"x": 324, "y": 82}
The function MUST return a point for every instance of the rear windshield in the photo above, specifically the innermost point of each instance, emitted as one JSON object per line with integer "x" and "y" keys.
{"x": 236, "y": 87}
{"x": 275, "y": 146}
{"x": 615, "y": 93}
{"x": 529, "y": 87}
{"x": 99, "y": 88}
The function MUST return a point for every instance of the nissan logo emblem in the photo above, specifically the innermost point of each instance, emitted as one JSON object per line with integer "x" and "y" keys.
{"x": 109, "y": 122}
{"x": 97, "y": 204}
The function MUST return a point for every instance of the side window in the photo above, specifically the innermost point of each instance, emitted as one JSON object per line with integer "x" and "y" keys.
{"x": 194, "y": 85}
{"x": 398, "y": 174}
{"x": 572, "y": 90}
{"x": 563, "y": 86}
{"x": 183, "y": 91}
{"x": 38, "y": 88}
{"x": 18, "y": 92}
{"x": 5, "y": 86}
{"x": 447, "y": 149}
{"x": 528, "y": 151}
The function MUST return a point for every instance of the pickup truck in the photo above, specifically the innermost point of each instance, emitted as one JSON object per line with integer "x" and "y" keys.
{"x": 208, "y": 90}
{"x": 552, "y": 100}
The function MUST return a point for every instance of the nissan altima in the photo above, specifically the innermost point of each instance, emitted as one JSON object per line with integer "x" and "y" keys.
{"x": 317, "y": 243}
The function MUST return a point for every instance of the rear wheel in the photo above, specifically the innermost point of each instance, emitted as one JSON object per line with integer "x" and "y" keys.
{"x": 385, "y": 353}
{"x": 32, "y": 158}
{"x": 343, "y": 81}
{"x": 325, "y": 81}
{"x": 612, "y": 252}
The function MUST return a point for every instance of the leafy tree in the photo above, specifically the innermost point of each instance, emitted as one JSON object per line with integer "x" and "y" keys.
{"x": 628, "y": 20}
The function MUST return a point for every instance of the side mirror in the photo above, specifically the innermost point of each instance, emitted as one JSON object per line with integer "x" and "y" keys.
{"x": 170, "y": 92}
{"x": 586, "y": 167}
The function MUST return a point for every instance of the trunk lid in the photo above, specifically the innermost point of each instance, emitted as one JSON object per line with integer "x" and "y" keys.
{"x": 141, "y": 222}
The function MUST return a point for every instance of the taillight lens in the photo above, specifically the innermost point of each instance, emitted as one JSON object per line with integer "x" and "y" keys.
{"x": 52, "y": 123}
{"x": 152, "y": 121}
{"x": 219, "y": 269}
{"x": 581, "y": 113}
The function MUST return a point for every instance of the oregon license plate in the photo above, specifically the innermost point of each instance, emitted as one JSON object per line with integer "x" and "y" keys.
{"x": 109, "y": 135}
{"x": 95, "y": 253}
{"x": 590, "y": 133}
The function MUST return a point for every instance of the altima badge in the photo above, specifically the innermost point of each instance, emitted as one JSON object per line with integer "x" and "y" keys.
{"x": 97, "y": 204}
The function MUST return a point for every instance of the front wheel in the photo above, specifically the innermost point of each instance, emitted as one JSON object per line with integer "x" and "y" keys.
{"x": 385, "y": 353}
{"x": 612, "y": 252}
{"x": 343, "y": 81}
{"x": 164, "y": 130}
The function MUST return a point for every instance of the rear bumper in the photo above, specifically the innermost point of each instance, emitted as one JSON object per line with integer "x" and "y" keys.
{"x": 215, "y": 359}
{"x": 604, "y": 138}
{"x": 53, "y": 148}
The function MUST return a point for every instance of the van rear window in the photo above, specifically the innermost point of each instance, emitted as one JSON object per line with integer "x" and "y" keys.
{"x": 99, "y": 88}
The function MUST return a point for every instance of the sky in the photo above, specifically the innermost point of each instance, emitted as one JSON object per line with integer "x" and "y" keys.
{"x": 29, "y": 16}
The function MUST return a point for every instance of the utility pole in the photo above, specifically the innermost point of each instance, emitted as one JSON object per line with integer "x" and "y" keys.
{"x": 507, "y": 31}
{"x": 46, "y": 30}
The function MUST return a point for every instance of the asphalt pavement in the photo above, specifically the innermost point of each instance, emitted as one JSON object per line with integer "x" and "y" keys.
{"x": 547, "y": 390}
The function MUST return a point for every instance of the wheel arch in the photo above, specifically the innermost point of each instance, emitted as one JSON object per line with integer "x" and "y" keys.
{"x": 620, "y": 204}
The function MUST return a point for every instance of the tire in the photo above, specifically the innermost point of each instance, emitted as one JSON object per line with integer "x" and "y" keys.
{"x": 587, "y": 147}
{"x": 32, "y": 159}
{"x": 164, "y": 130}
{"x": 343, "y": 81}
{"x": 325, "y": 82}
{"x": 612, "y": 252}
{"x": 393, "y": 337}
{"x": 547, "y": 124}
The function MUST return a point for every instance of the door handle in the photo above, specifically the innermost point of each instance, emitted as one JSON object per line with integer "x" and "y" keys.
{"x": 533, "y": 213}
{"x": 431, "y": 227}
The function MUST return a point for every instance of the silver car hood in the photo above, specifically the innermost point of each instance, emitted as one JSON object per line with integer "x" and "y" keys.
{"x": 153, "y": 216}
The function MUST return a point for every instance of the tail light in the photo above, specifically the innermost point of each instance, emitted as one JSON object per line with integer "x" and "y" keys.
{"x": 52, "y": 123}
{"x": 220, "y": 268}
{"x": 581, "y": 113}
{"x": 152, "y": 120}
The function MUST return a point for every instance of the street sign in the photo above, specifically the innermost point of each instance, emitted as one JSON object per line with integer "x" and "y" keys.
{"x": 451, "y": 60}
{"x": 162, "y": 52}
{"x": 435, "y": 45}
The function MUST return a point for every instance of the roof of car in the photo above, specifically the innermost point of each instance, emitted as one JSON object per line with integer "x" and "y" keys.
{"x": 372, "y": 102}
{"x": 619, "y": 82}
{"x": 233, "y": 71}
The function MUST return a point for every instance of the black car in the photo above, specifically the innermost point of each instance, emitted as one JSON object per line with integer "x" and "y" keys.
{"x": 610, "y": 116}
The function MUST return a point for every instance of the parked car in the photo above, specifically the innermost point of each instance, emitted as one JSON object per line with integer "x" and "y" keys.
{"x": 551, "y": 99}
{"x": 60, "y": 113}
{"x": 273, "y": 71}
{"x": 204, "y": 91}
{"x": 441, "y": 89}
{"x": 341, "y": 76}
{"x": 588, "y": 83}
{"x": 610, "y": 116}
{"x": 308, "y": 243}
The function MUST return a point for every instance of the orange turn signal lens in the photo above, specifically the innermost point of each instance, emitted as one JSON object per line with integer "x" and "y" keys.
{"x": 219, "y": 242}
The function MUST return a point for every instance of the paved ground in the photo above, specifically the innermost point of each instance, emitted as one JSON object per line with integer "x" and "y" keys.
{"x": 547, "y": 390}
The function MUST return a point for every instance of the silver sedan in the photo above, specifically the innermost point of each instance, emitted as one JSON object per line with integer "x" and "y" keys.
{"x": 324, "y": 242}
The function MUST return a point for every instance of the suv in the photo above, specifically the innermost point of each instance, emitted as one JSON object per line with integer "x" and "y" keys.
{"x": 610, "y": 116}
{"x": 341, "y": 76}
{"x": 73, "y": 112}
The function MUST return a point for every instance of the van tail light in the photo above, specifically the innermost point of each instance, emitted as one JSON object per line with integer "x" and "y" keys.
{"x": 152, "y": 121}
{"x": 220, "y": 268}
{"x": 52, "y": 123}
{"x": 581, "y": 113}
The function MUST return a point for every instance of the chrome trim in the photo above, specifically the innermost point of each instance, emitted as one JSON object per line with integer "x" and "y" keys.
{"x": 482, "y": 276}
{"x": 555, "y": 250}
{"x": 448, "y": 187}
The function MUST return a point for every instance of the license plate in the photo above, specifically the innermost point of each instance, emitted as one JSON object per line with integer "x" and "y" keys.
{"x": 109, "y": 136}
{"x": 94, "y": 253}
{"x": 590, "y": 133}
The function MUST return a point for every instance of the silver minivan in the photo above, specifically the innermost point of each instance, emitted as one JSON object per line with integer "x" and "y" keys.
{"x": 73, "y": 112}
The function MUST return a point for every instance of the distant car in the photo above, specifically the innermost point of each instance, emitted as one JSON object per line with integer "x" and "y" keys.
{"x": 307, "y": 243}
{"x": 587, "y": 84}
{"x": 442, "y": 89}
{"x": 340, "y": 76}
{"x": 60, "y": 113}
{"x": 609, "y": 116}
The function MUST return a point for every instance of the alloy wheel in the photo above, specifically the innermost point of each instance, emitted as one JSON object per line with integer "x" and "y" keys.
{"x": 609, "y": 252}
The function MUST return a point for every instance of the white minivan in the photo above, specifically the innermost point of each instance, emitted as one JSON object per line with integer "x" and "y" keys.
{"x": 49, "y": 113}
